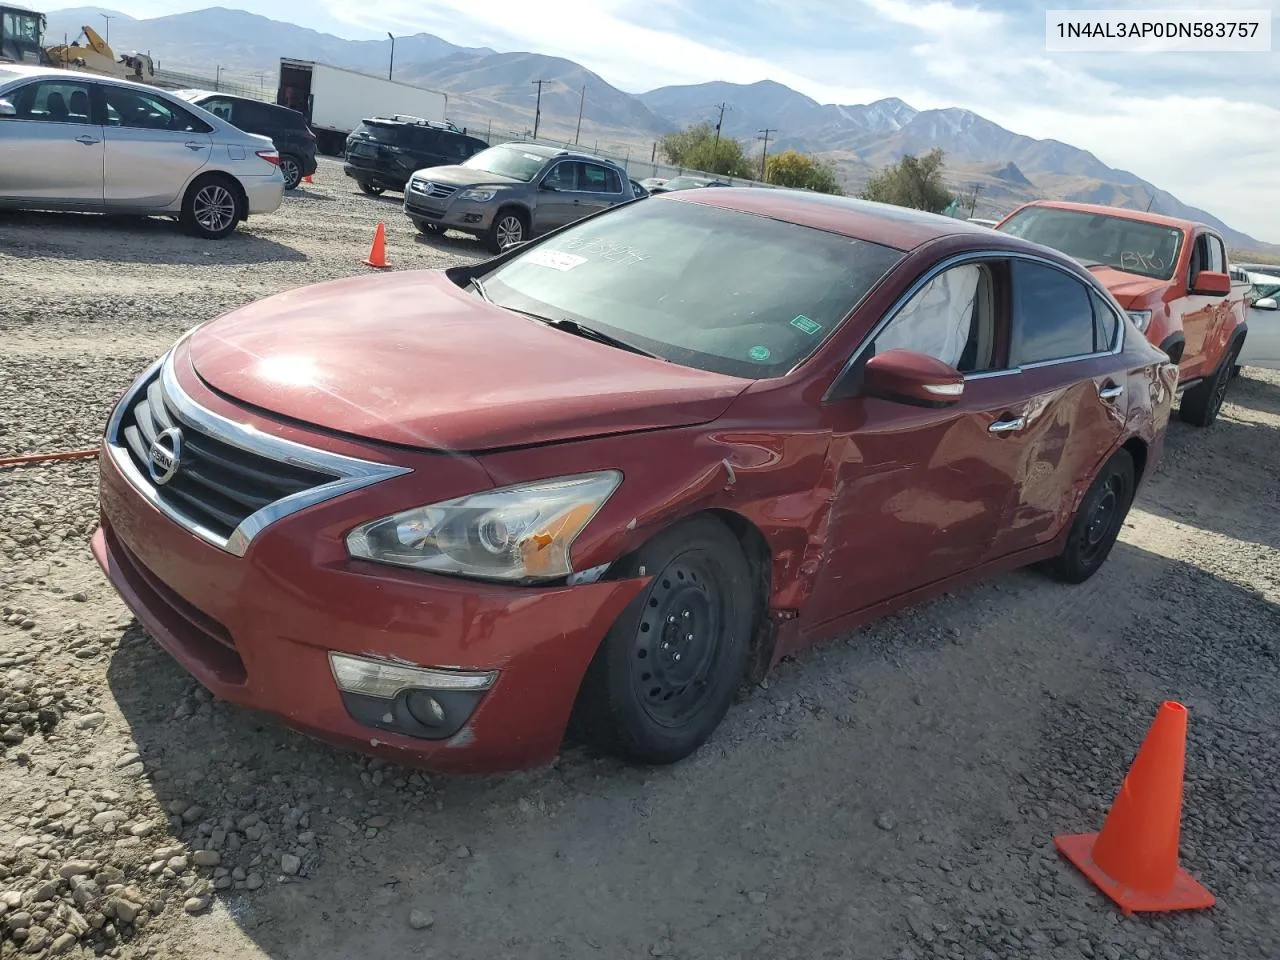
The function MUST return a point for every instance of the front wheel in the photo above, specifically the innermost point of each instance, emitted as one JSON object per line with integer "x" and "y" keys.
{"x": 212, "y": 209}
{"x": 510, "y": 227}
{"x": 1098, "y": 522}
{"x": 371, "y": 189}
{"x": 666, "y": 672}
{"x": 1201, "y": 404}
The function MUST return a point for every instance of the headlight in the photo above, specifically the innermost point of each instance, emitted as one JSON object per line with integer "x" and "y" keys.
{"x": 478, "y": 194}
{"x": 523, "y": 532}
{"x": 1141, "y": 318}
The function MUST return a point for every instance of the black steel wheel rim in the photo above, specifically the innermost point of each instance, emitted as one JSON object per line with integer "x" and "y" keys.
{"x": 678, "y": 641}
{"x": 1104, "y": 520}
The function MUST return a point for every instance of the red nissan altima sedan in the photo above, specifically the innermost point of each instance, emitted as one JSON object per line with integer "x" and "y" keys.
{"x": 608, "y": 474}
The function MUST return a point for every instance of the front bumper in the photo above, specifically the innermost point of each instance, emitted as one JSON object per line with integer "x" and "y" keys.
{"x": 386, "y": 179}
{"x": 469, "y": 216}
{"x": 265, "y": 194}
{"x": 257, "y": 630}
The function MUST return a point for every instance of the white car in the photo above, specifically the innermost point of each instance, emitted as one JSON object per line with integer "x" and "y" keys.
{"x": 1262, "y": 343}
{"x": 80, "y": 142}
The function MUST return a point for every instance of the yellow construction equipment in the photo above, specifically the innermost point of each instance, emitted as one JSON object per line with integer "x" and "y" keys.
{"x": 97, "y": 57}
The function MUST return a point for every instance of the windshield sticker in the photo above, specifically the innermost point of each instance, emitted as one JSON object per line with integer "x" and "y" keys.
{"x": 804, "y": 323}
{"x": 759, "y": 354}
{"x": 555, "y": 259}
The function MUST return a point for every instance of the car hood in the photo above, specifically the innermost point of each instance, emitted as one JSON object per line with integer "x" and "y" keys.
{"x": 1129, "y": 289}
{"x": 409, "y": 358}
{"x": 459, "y": 176}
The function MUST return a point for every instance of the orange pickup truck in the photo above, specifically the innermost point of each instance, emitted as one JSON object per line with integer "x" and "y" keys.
{"x": 1170, "y": 275}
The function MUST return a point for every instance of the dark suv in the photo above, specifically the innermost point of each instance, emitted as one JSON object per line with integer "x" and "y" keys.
{"x": 383, "y": 152}
{"x": 287, "y": 128}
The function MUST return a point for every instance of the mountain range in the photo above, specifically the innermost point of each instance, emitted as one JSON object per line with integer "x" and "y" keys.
{"x": 994, "y": 168}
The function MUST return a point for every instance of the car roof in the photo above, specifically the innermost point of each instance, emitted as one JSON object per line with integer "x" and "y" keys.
{"x": 550, "y": 152}
{"x": 883, "y": 223}
{"x": 1124, "y": 213}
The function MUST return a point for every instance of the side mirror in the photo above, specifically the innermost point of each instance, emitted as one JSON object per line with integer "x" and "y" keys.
{"x": 1207, "y": 283}
{"x": 549, "y": 187}
{"x": 7, "y": 109}
{"x": 905, "y": 376}
{"x": 1266, "y": 303}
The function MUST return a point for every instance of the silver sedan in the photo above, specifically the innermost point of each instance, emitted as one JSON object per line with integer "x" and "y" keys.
{"x": 76, "y": 141}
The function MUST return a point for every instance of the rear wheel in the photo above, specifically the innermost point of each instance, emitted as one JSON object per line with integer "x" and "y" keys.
{"x": 1201, "y": 404}
{"x": 291, "y": 167}
{"x": 1098, "y": 522}
{"x": 371, "y": 189}
{"x": 212, "y": 208}
{"x": 665, "y": 674}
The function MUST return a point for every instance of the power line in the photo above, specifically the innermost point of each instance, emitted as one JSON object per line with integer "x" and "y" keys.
{"x": 537, "y": 111}
{"x": 764, "y": 152}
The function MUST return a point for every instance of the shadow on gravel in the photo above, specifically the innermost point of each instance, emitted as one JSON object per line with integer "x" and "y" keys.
{"x": 1224, "y": 480}
{"x": 302, "y": 193}
{"x": 454, "y": 242}
{"x": 151, "y": 240}
{"x": 892, "y": 788}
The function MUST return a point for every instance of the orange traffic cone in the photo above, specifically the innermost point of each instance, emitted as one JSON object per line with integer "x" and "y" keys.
{"x": 378, "y": 252}
{"x": 1134, "y": 860}
{"x": 307, "y": 179}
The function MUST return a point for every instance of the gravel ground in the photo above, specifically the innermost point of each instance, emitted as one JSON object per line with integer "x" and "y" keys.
{"x": 891, "y": 795}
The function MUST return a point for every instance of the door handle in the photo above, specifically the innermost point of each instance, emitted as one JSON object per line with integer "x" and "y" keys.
{"x": 87, "y": 140}
{"x": 192, "y": 145}
{"x": 1111, "y": 391}
{"x": 1007, "y": 426}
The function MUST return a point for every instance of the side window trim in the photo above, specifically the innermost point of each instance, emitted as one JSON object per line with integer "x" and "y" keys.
{"x": 905, "y": 297}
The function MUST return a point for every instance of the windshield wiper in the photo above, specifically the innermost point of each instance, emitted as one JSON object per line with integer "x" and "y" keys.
{"x": 591, "y": 333}
{"x": 479, "y": 287}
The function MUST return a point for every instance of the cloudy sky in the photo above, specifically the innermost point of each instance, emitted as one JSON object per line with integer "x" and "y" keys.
{"x": 1203, "y": 126}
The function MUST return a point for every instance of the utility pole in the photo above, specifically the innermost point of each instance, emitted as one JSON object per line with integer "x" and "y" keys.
{"x": 973, "y": 198}
{"x": 392, "y": 65}
{"x": 537, "y": 110}
{"x": 582, "y": 102}
{"x": 715, "y": 150}
{"x": 217, "y": 78}
{"x": 488, "y": 137}
{"x": 1150, "y": 202}
{"x": 107, "y": 17}
{"x": 262, "y": 84}
{"x": 764, "y": 152}
{"x": 653, "y": 154}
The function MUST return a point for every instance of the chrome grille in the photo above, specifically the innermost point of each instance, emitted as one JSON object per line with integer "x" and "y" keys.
{"x": 436, "y": 191}
{"x": 221, "y": 480}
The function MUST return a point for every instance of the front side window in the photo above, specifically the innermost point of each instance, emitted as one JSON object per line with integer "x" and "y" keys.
{"x": 1134, "y": 246}
{"x": 508, "y": 161}
{"x": 1053, "y": 315}
{"x": 142, "y": 111}
{"x": 951, "y": 318}
{"x": 706, "y": 287}
{"x": 53, "y": 101}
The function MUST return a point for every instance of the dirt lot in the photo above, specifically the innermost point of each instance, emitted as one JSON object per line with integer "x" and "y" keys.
{"x": 892, "y": 795}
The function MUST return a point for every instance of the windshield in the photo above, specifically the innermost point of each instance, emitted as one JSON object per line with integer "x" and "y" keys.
{"x": 701, "y": 286}
{"x": 507, "y": 162}
{"x": 1147, "y": 249}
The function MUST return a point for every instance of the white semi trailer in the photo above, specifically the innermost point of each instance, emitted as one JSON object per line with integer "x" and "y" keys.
{"x": 335, "y": 100}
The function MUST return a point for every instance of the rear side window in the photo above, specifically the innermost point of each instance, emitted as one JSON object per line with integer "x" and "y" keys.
{"x": 142, "y": 111}
{"x": 1053, "y": 315}
{"x": 1105, "y": 324}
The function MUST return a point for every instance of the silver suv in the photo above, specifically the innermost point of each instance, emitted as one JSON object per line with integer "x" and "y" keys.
{"x": 81, "y": 142}
{"x": 512, "y": 192}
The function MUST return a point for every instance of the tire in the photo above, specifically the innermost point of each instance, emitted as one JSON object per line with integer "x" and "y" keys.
{"x": 212, "y": 208}
{"x": 291, "y": 167}
{"x": 1201, "y": 404}
{"x": 371, "y": 189}
{"x": 667, "y": 670}
{"x": 510, "y": 226}
{"x": 1098, "y": 522}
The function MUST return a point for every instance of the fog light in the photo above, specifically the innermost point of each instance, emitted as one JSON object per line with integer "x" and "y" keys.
{"x": 424, "y": 708}
{"x": 423, "y": 702}
{"x": 382, "y": 678}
